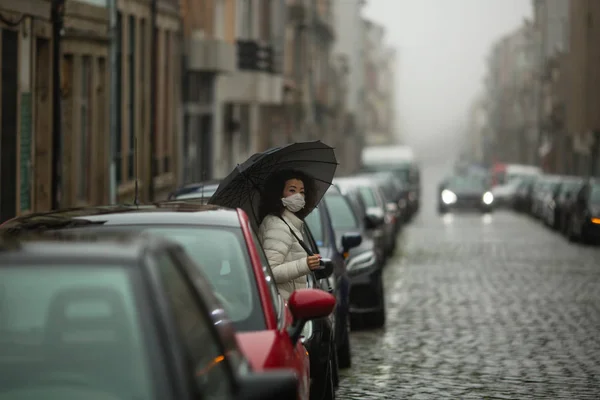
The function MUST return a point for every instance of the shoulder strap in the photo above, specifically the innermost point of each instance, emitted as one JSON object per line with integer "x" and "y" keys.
{"x": 304, "y": 246}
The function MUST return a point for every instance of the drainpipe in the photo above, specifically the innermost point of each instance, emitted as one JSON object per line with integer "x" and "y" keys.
{"x": 153, "y": 75}
{"x": 57, "y": 12}
{"x": 115, "y": 37}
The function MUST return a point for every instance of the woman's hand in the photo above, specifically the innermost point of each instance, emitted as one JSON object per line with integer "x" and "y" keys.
{"x": 313, "y": 262}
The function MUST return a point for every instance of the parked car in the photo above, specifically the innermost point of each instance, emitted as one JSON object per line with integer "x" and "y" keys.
{"x": 401, "y": 161}
{"x": 201, "y": 190}
{"x": 375, "y": 202}
{"x": 523, "y": 196}
{"x": 566, "y": 201}
{"x": 584, "y": 215}
{"x": 464, "y": 192}
{"x": 121, "y": 317}
{"x": 322, "y": 237}
{"x": 555, "y": 200}
{"x": 390, "y": 189}
{"x": 364, "y": 264}
{"x": 504, "y": 195}
{"x": 222, "y": 244}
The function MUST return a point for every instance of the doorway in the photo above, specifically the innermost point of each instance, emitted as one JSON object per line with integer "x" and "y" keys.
{"x": 8, "y": 127}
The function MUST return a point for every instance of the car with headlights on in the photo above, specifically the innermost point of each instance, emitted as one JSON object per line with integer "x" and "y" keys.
{"x": 223, "y": 247}
{"x": 118, "y": 317}
{"x": 465, "y": 193}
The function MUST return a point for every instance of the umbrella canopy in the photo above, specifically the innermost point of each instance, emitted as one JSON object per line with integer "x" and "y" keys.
{"x": 242, "y": 188}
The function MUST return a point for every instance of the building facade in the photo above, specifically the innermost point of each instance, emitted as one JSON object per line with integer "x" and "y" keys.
{"x": 583, "y": 69}
{"x": 512, "y": 99}
{"x": 30, "y": 153}
{"x": 350, "y": 44}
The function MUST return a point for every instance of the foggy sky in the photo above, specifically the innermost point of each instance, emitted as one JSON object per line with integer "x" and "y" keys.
{"x": 442, "y": 46}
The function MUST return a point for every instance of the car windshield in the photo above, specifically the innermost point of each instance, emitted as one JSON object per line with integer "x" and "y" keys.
{"x": 222, "y": 255}
{"x": 314, "y": 224}
{"x": 342, "y": 217}
{"x": 595, "y": 195}
{"x": 465, "y": 184}
{"x": 71, "y": 331}
{"x": 368, "y": 196}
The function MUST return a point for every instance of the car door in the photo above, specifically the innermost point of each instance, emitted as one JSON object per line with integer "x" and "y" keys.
{"x": 210, "y": 372}
{"x": 297, "y": 357}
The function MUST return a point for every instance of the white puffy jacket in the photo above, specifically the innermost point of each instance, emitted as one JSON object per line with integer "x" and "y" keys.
{"x": 285, "y": 254}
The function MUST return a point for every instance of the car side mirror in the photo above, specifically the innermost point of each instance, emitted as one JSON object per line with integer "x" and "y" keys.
{"x": 271, "y": 385}
{"x": 326, "y": 269}
{"x": 305, "y": 305}
{"x": 350, "y": 241}
{"x": 373, "y": 220}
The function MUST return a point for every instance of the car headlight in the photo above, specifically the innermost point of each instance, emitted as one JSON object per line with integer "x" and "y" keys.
{"x": 448, "y": 197}
{"x": 307, "y": 331}
{"x": 364, "y": 260}
{"x": 488, "y": 198}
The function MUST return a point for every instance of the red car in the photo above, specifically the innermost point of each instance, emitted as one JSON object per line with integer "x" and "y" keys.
{"x": 222, "y": 243}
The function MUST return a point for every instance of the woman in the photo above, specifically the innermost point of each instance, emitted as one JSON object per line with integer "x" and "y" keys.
{"x": 286, "y": 200}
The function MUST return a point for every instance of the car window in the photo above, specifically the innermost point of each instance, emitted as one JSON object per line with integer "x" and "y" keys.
{"x": 222, "y": 255}
{"x": 368, "y": 196}
{"x": 595, "y": 195}
{"x": 313, "y": 220}
{"x": 68, "y": 325}
{"x": 342, "y": 216}
{"x": 268, "y": 276}
{"x": 197, "y": 332}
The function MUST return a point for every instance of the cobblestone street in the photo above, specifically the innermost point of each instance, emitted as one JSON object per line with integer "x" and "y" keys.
{"x": 484, "y": 307}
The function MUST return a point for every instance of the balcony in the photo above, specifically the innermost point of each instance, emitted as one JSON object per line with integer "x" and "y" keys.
{"x": 210, "y": 55}
{"x": 254, "y": 56}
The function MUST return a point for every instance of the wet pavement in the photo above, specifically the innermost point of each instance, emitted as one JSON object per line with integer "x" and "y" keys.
{"x": 483, "y": 307}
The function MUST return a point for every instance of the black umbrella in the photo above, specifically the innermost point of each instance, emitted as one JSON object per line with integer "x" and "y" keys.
{"x": 243, "y": 186}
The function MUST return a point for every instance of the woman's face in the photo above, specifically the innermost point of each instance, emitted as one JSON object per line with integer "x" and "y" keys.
{"x": 293, "y": 186}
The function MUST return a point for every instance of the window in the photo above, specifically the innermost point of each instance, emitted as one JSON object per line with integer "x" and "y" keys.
{"x": 222, "y": 255}
{"x": 195, "y": 327}
{"x": 167, "y": 98}
{"x": 118, "y": 145}
{"x": 273, "y": 291}
{"x": 131, "y": 98}
{"x": 595, "y": 195}
{"x": 83, "y": 319}
{"x": 219, "y": 32}
{"x": 85, "y": 154}
{"x": 313, "y": 220}
{"x": 342, "y": 216}
{"x": 368, "y": 196}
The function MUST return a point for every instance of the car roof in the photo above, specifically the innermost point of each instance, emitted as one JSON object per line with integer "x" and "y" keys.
{"x": 173, "y": 212}
{"x": 104, "y": 246}
{"x": 195, "y": 187}
{"x": 353, "y": 181}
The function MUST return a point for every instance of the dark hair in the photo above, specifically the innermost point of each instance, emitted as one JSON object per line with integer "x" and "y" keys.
{"x": 270, "y": 200}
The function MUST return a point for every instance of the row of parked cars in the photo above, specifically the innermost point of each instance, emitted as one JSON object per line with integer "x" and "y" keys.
{"x": 567, "y": 204}
{"x": 176, "y": 299}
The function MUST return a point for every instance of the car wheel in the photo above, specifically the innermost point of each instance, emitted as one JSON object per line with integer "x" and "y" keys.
{"x": 571, "y": 231}
{"x": 344, "y": 355}
{"x": 327, "y": 392}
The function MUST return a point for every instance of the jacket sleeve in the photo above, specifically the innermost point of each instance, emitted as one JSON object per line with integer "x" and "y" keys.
{"x": 277, "y": 241}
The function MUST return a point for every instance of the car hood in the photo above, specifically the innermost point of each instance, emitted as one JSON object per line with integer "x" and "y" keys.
{"x": 260, "y": 348}
{"x": 504, "y": 190}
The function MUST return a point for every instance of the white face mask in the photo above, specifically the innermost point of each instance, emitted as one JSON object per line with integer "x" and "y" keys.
{"x": 294, "y": 203}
